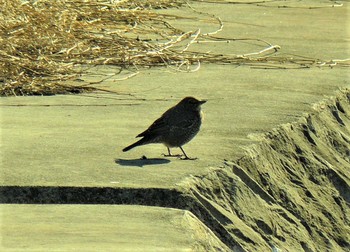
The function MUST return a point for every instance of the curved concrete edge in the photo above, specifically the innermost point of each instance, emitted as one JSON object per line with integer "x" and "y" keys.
{"x": 166, "y": 198}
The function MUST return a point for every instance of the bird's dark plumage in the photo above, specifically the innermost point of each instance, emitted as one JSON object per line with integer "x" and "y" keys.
{"x": 176, "y": 127}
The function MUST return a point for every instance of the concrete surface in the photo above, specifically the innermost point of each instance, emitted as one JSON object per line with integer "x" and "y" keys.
{"x": 77, "y": 140}
{"x": 102, "y": 228}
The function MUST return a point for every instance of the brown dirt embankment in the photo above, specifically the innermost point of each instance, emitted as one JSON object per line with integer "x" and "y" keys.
{"x": 291, "y": 191}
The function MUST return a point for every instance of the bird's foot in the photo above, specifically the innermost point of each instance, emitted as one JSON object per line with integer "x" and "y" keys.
{"x": 171, "y": 155}
{"x": 188, "y": 158}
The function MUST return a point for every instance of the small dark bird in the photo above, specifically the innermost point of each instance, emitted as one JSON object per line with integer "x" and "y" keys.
{"x": 176, "y": 127}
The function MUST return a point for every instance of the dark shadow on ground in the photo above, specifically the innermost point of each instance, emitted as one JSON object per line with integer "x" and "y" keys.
{"x": 91, "y": 195}
{"x": 141, "y": 162}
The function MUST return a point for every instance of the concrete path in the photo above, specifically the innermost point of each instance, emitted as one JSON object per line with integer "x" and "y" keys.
{"x": 76, "y": 141}
{"x": 102, "y": 228}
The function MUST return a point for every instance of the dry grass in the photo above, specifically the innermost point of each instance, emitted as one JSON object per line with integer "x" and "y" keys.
{"x": 46, "y": 44}
{"x": 42, "y": 42}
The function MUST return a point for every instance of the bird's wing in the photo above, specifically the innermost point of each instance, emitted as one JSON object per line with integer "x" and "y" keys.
{"x": 158, "y": 127}
{"x": 184, "y": 124}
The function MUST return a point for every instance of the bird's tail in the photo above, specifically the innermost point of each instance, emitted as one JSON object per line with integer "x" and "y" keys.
{"x": 138, "y": 143}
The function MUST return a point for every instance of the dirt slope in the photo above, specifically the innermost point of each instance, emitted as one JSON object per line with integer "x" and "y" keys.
{"x": 290, "y": 191}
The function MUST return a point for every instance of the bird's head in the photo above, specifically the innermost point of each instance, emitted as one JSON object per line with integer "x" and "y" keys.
{"x": 192, "y": 103}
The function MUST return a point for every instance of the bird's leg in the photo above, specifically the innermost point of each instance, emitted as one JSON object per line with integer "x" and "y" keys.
{"x": 170, "y": 155}
{"x": 186, "y": 157}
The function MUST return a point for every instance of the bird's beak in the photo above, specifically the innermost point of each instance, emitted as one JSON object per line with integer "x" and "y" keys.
{"x": 202, "y": 102}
